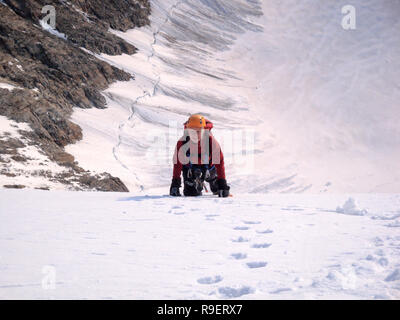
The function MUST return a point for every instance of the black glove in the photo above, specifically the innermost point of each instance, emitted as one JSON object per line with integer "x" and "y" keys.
{"x": 175, "y": 185}
{"x": 223, "y": 188}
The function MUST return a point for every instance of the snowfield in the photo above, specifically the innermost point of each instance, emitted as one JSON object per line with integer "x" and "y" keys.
{"x": 75, "y": 245}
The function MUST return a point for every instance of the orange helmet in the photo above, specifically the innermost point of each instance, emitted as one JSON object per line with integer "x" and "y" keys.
{"x": 196, "y": 121}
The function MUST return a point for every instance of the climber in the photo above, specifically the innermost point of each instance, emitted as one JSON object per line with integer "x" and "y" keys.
{"x": 199, "y": 158}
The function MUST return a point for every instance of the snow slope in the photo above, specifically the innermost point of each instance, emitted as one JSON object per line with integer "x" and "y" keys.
{"x": 311, "y": 106}
{"x": 75, "y": 245}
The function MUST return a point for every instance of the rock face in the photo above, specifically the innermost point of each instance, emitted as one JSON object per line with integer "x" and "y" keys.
{"x": 53, "y": 73}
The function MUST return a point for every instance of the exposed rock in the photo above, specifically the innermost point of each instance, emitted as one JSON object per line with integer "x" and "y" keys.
{"x": 63, "y": 158}
{"x": 86, "y": 23}
{"x": 8, "y": 174}
{"x": 53, "y": 75}
{"x": 106, "y": 183}
{"x": 64, "y": 75}
{"x": 119, "y": 14}
{"x": 19, "y": 158}
{"x": 43, "y": 188}
{"x": 10, "y": 146}
{"x": 14, "y": 186}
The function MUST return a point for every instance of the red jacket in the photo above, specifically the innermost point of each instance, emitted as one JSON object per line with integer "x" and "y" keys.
{"x": 213, "y": 146}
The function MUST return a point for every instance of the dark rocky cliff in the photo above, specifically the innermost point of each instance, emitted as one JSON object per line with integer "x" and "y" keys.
{"x": 54, "y": 74}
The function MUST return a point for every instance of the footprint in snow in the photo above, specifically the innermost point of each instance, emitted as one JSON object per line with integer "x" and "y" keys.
{"x": 99, "y": 253}
{"x": 394, "y": 276}
{"x": 261, "y": 245}
{"x": 210, "y": 280}
{"x": 239, "y": 256}
{"x": 229, "y": 292}
{"x": 292, "y": 209}
{"x": 378, "y": 242}
{"x": 241, "y": 228}
{"x": 251, "y": 222}
{"x": 175, "y": 211}
{"x": 256, "y": 264}
{"x": 210, "y": 217}
{"x": 265, "y": 231}
{"x": 395, "y": 224}
{"x": 383, "y": 262}
{"x": 279, "y": 290}
{"x": 240, "y": 239}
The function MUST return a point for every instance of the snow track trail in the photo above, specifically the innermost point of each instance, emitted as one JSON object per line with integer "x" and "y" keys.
{"x": 148, "y": 93}
{"x": 119, "y": 246}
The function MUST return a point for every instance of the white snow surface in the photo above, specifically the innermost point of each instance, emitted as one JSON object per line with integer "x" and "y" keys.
{"x": 8, "y": 86}
{"x": 128, "y": 246}
{"x": 350, "y": 207}
{"x": 319, "y": 103}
